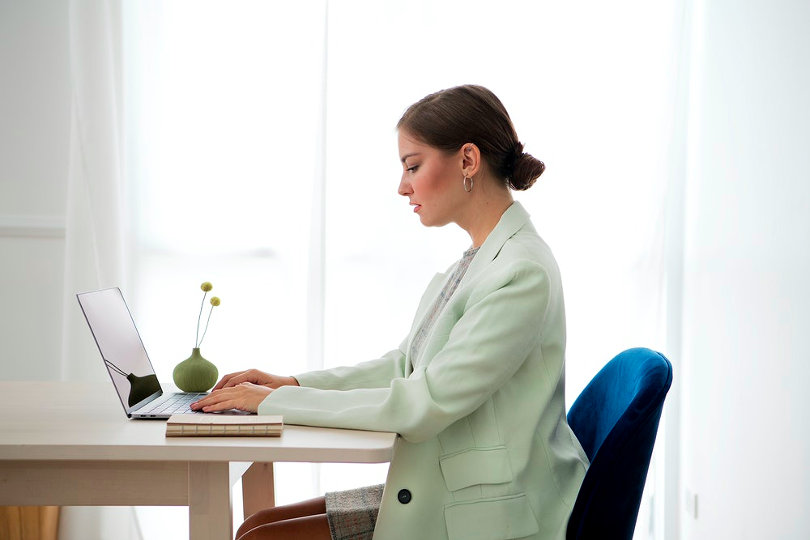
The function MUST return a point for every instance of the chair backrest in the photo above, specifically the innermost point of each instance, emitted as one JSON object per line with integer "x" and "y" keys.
{"x": 616, "y": 419}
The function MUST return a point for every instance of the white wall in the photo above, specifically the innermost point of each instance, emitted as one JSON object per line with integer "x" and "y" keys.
{"x": 746, "y": 353}
{"x": 34, "y": 108}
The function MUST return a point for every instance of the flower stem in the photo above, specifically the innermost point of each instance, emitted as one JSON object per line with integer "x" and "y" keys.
{"x": 202, "y": 305}
{"x": 206, "y": 325}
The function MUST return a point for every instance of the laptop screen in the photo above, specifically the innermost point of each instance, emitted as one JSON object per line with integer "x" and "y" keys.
{"x": 120, "y": 345}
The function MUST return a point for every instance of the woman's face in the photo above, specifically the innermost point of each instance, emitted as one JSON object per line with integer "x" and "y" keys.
{"x": 432, "y": 181}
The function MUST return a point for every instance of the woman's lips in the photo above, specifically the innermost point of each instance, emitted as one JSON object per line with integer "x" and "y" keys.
{"x": 416, "y": 207}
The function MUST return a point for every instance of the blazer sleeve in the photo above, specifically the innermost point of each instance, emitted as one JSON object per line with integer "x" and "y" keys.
{"x": 372, "y": 374}
{"x": 501, "y": 324}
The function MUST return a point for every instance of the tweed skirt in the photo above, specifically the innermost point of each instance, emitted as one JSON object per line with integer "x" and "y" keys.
{"x": 352, "y": 514}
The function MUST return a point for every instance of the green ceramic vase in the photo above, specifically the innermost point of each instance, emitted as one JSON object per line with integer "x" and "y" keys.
{"x": 195, "y": 373}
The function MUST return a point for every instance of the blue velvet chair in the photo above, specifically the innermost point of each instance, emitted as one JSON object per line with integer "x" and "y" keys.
{"x": 616, "y": 419}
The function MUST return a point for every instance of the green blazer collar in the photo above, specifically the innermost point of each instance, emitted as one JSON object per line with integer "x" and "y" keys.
{"x": 513, "y": 219}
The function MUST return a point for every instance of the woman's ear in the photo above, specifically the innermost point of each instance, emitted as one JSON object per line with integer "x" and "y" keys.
{"x": 470, "y": 159}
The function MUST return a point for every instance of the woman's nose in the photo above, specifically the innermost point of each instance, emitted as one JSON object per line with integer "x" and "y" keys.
{"x": 404, "y": 187}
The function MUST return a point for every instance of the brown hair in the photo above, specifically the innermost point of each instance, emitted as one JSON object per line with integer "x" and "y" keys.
{"x": 450, "y": 118}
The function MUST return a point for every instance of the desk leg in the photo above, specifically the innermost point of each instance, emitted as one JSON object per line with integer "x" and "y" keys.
{"x": 258, "y": 488}
{"x": 210, "y": 514}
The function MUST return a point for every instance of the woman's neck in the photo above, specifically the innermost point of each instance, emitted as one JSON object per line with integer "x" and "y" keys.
{"x": 484, "y": 211}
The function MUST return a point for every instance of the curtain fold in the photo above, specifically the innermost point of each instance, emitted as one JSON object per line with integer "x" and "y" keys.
{"x": 95, "y": 217}
{"x": 94, "y": 238}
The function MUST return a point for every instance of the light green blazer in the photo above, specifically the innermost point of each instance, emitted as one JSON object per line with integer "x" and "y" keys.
{"x": 485, "y": 451}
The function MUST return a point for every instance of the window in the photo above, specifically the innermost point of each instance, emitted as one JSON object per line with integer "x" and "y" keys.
{"x": 262, "y": 152}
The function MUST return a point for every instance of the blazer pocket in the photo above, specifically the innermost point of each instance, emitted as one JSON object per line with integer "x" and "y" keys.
{"x": 491, "y": 519}
{"x": 476, "y": 466}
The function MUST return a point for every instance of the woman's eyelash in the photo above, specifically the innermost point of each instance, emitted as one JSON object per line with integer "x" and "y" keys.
{"x": 412, "y": 169}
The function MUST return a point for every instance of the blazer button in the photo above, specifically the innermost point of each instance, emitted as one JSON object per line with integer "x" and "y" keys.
{"x": 404, "y": 496}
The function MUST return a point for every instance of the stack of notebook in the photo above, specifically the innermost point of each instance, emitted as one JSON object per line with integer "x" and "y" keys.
{"x": 217, "y": 425}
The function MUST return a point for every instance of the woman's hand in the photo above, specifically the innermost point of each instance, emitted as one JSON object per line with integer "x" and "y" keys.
{"x": 256, "y": 377}
{"x": 245, "y": 396}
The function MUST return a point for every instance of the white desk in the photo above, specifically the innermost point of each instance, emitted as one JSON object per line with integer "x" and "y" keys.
{"x": 71, "y": 444}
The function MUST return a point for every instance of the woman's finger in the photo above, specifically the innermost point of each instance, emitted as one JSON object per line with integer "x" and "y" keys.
{"x": 222, "y": 406}
{"x": 251, "y": 375}
{"x": 224, "y": 380}
{"x": 245, "y": 397}
{"x": 239, "y": 378}
{"x": 214, "y": 397}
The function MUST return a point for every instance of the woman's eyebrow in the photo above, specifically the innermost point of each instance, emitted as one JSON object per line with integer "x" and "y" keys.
{"x": 406, "y": 156}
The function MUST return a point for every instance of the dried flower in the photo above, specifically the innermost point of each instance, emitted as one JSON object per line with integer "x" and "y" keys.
{"x": 206, "y": 287}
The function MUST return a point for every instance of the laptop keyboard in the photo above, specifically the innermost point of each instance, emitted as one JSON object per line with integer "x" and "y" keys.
{"x": 175, "y": 404}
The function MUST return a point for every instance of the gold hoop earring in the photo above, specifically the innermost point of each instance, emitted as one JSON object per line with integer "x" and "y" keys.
{"x": 464, "y": 183}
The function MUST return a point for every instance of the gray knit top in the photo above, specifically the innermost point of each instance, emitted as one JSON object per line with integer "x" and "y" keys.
{"x": 444, "y": 296}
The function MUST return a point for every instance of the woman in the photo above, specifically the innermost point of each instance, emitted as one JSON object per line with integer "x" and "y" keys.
{"x": 476, "y": 390}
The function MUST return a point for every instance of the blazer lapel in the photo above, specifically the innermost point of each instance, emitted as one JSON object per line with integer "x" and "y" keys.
{"x": 512, "y": 220}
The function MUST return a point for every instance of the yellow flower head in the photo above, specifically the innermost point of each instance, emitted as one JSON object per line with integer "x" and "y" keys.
{"x": 214, "y": 300}
{"x": 206, "y": 286}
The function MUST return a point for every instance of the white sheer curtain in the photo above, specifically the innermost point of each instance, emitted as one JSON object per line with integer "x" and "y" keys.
{"x": 224, "y": 115}
{"x": 96, "y": 218}
{"x": 261, "y": 143}
{"x": 95, "y": 215}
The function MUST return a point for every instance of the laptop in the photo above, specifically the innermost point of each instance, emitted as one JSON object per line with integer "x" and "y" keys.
{"x": 126, "y": 360}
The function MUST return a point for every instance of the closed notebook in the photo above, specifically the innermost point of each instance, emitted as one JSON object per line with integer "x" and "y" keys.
{"x": 217, "y": 425}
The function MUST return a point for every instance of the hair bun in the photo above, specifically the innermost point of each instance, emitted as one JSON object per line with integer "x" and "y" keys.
{"x": 526, "y": 169}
